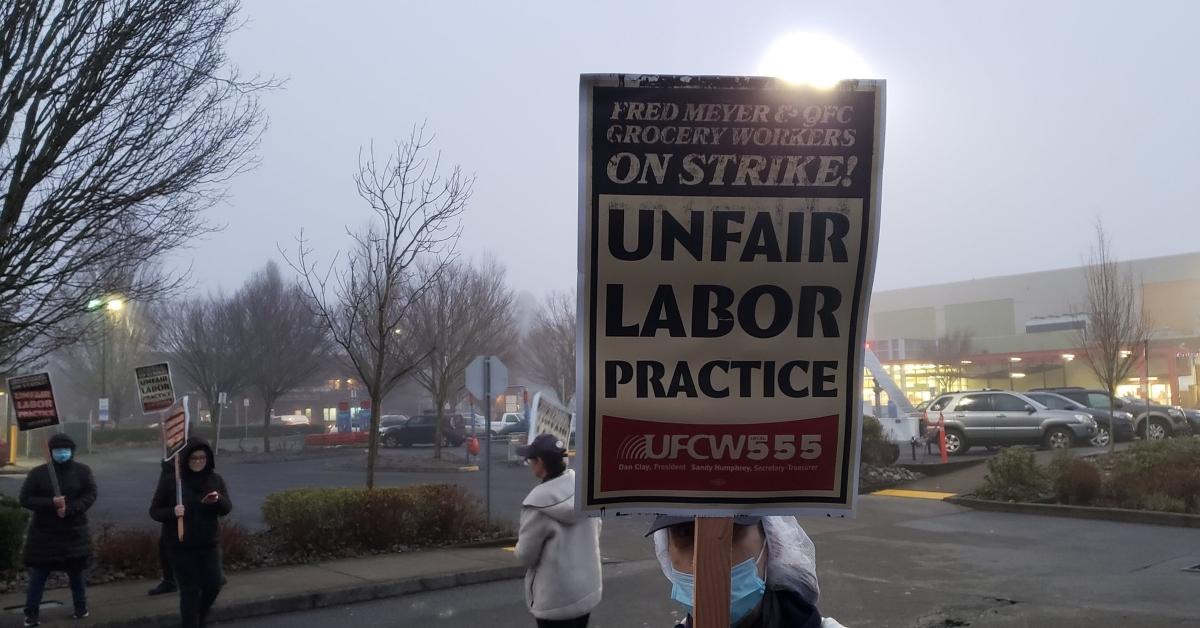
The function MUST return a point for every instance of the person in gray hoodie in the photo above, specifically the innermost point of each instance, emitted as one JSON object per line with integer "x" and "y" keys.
{"x": 559, "y": 547}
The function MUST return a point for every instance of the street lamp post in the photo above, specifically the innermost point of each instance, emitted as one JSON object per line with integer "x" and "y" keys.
{"x": 107, "y": 305}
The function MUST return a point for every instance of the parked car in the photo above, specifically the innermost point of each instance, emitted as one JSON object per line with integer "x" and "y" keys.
{"x": 1193, "y": 417}
{"x": 1164, "y": 421}
{"x": 521, "y": 426}
{"x": 391, "y": 420}
{"x": 420, "y": 430}
{"x": 1119, "y": 422}
{"x": 291, "y": 419}
{"x": 919, "y": 409}
{"x": 509, "y": 418}
{"x": 993, "y": 417}
{"x": 474, "y": 423}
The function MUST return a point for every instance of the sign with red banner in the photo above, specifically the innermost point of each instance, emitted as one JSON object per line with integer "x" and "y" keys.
{"x": 728, "y": 229}
{"x": 33, "y": 401}
{"x": 175, "y": 424}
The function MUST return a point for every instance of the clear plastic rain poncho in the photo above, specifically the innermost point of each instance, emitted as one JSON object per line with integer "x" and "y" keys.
{"x": 791, "y": 557}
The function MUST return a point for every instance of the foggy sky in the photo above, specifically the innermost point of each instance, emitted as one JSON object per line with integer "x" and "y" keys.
{"x": 1010, "y": 126}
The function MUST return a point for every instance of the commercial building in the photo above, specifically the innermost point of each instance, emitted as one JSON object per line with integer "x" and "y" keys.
{"x": 1023, "y": 331}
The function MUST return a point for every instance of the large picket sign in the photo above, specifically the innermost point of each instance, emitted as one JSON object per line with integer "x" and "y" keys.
{"x": 728, "y": 229}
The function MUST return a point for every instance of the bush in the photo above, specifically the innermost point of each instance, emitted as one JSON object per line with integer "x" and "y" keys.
{"x": 320, "y": 521}
{"x": 134, "y": 551}
{"x": 13, "y": 520}
{"x": 1013, "y": 475}
{"x": 237, "y": 544}
{"x": 876, "y": 449}
{"x": 1075, "y": 481}
{"x": 1158, "y": 475}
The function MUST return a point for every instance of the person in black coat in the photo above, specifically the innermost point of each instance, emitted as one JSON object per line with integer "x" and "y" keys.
{"x": 58, "y": 538}
{"x": 196, "y": 558}
{"x": 167, "y": 584}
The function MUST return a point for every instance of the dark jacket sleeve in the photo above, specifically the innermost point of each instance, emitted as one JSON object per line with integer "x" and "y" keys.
{"x": 86, "y": 498}
{"x": 33, "y": 495}
{"x": 223, "y": 505}
{"x": 162, "y": 506}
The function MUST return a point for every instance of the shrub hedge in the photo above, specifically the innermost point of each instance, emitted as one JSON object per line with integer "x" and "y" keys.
{"x": 876, "y": 449}
{"x": 13, "y": 520}
{"x": 134, "y": 551}
{"x": 1157, "y": 475}
{"x": 1014, "y": 475}
{"x": 1076, "y": 481}
{"x": 323, "y": 520}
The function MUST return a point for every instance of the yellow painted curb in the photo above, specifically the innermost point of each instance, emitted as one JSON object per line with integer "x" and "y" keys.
{"x": 473, "y": 467}
{"x": 899, "y": 492}
{"x": 510, "y": 549}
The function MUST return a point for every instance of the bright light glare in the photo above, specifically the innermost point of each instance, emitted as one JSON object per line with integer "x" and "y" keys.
{"x": 812, "y": 59}
{"x": 115, "y": 305}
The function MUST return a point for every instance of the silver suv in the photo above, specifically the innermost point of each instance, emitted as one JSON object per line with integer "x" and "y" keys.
{"x": 995, "y": 417}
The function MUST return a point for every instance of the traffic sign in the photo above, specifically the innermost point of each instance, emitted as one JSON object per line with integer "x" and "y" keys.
{"x": 474, "y": 376}
{"x": 103, "y": 410}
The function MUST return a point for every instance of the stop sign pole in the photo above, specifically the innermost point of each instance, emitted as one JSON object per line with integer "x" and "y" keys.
{"x": 483, "y": 375}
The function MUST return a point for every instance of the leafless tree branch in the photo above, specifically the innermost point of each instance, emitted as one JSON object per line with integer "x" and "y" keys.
{"x": 365, "y": 297}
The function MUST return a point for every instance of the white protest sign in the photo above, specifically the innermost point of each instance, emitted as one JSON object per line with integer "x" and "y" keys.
{"x": 728, "y": 229}
{"x": 154, "y": 387}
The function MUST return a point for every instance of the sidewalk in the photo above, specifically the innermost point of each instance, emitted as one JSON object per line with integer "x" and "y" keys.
{"x": 21, "y": 467}
{"x": 281, "y": 590}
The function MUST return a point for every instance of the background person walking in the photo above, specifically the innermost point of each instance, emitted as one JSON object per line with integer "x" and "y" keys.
{"x": 559, "y": 548}
{"x": 59, "y": 538}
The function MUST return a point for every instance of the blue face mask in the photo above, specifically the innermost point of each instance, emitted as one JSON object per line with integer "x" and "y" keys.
{"x": 60, "y": 455}
{"x": 746, "y": 589}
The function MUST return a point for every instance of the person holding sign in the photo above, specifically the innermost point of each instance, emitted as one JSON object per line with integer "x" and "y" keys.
{"x": 59, "y": 493}
{"x": 559, "y": 548}
{"x": 773, "y": 583}
{"x": 199, "y": 499}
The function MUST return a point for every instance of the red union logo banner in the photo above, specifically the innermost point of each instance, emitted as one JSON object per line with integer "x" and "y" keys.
{"x": 741, "y": 459}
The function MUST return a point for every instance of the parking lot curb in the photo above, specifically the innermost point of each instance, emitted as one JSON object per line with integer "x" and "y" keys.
{"x": 1121, "y": 515}
{"x": 310, "y": 600}
{"x": 941, "y": 469}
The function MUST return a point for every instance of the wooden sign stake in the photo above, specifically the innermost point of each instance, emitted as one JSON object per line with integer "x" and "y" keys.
{"x": 178, "y": 497}
{"x": 713, "y": 562}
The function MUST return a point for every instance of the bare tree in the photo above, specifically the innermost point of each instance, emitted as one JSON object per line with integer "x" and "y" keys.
{"x": 548, "y": 349}
{"x": 365, "y": 301}
{"x": 120, "y": 122}
{"x": 464, "y": 311}
{"x": 281, "y": 343}
{"x": 100, "y": 364}
{"x": 1115, "y": 330}
{"x": 201, "y": 339}
{"x": 947, "y": 355}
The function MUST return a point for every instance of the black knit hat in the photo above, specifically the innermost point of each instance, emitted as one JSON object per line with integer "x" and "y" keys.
{"x": 60, "y": 441}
